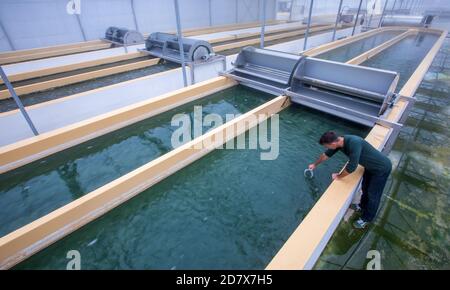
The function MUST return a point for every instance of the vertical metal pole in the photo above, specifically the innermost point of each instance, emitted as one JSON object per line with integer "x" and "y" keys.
{"x": 17, "y": 100}
{"x": 134, "y": 15}
{"x": 371, "y": 14}
{"x": 309, "y": 23}
{"x": 191, "y": 69}
{"x": 263, "y": 22}
{"x": 393, "y": 7}
{"x": 81, "y": 27}
{"x": 290, "y": 10}
{"x": 421, "y": 6}
{"x": 337, "y": 20}
{"x": 180, "y": 41}
{"x": 210, "y": 12}
{"x": 412, "y": 5}
{"x": 357, "y": 15}
{"x": 382, "y": 13}
{"x": 415, "y": 6}
{"x": 237, "y": 14}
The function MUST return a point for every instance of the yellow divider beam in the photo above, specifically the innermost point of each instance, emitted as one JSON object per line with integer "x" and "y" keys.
{"x": 71, "y": 67}
{"x": 49, "y": 51}
{"x": 64, "y": 81}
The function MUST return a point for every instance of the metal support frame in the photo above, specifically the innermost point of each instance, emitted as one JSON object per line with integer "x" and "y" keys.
{"x": 412, "y": 6}
{"x": 210, "y": 12}
{"x": 393, "y": 7}
{"x": 415, "y": 5}
{"x": 371, "y": 14}
{"x": 180, "y": 41}
{"x": 134, "y": 14}
{"x": 18, "y": 102}
{"x": 389, "y": 140}
{"x": 81, "y": 27}
{"x": 338, "y": 16}
{"x": 309, "y": 24}
{"x": 263, "y": 22}
{"x": 192, "y": 65}
{"x": 357, "y": 16}
{"x": 290, "y": 10}
{"x": 125, "y": 46}
{"x": 410, "y": 104}
{"x": 382, "y": 13}
{"x": 237, "y": 12}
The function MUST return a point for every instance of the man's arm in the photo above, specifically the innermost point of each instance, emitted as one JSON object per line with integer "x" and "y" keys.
{"x": 323, "y": 157}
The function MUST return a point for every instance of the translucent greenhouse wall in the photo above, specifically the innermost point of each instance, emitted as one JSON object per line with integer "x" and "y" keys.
{"x": 25, "y": 24}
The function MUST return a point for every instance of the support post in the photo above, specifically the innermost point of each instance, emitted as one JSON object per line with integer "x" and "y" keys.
{"x": 309, "y": 23}
{"x": 81, "y": 27}
{"x": 393, "y": 7}
{"x": 382, "y": 13}
{"x": 210, "y": 12}
{"x": 371, "y": 14}
{"x": 180, "y": 41}
{"x": 237, "y": 12}
{"x": 357, "y": 15}
{"x": 18, "y": 102}
{"x": 263, "y": 22}
{"x": 134, "y": 15}
{"x": 338, "y": 16}
{"x": 290, "y": 10}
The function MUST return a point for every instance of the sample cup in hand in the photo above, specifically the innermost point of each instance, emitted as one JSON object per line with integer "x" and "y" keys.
{"x": 308, "y": 173}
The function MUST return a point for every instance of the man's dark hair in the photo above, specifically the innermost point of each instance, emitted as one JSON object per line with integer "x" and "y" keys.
{"x": 328, "y": 137}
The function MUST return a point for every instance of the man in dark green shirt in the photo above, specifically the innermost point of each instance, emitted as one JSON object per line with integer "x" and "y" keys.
{"x": 377, "y": 168}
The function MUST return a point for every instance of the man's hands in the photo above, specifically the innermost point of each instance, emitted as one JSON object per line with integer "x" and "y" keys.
{"x": 323, "y": 157}
{"x": 340, "y": 175}
{"x": 335, "y": 176}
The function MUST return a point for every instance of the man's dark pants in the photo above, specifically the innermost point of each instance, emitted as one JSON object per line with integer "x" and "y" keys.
{"x": 372, "y": 189}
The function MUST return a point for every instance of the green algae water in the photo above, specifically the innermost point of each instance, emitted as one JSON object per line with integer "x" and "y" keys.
{"x": 34, "y": 190}
{"x": 351, "y": 50}
{"x": 412, "y": 228}
{"x": 228, "y": 210}
{"x": 404, "y": 57}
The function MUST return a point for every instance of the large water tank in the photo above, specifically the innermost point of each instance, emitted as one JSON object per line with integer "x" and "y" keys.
{"x": 407, "y": 20}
